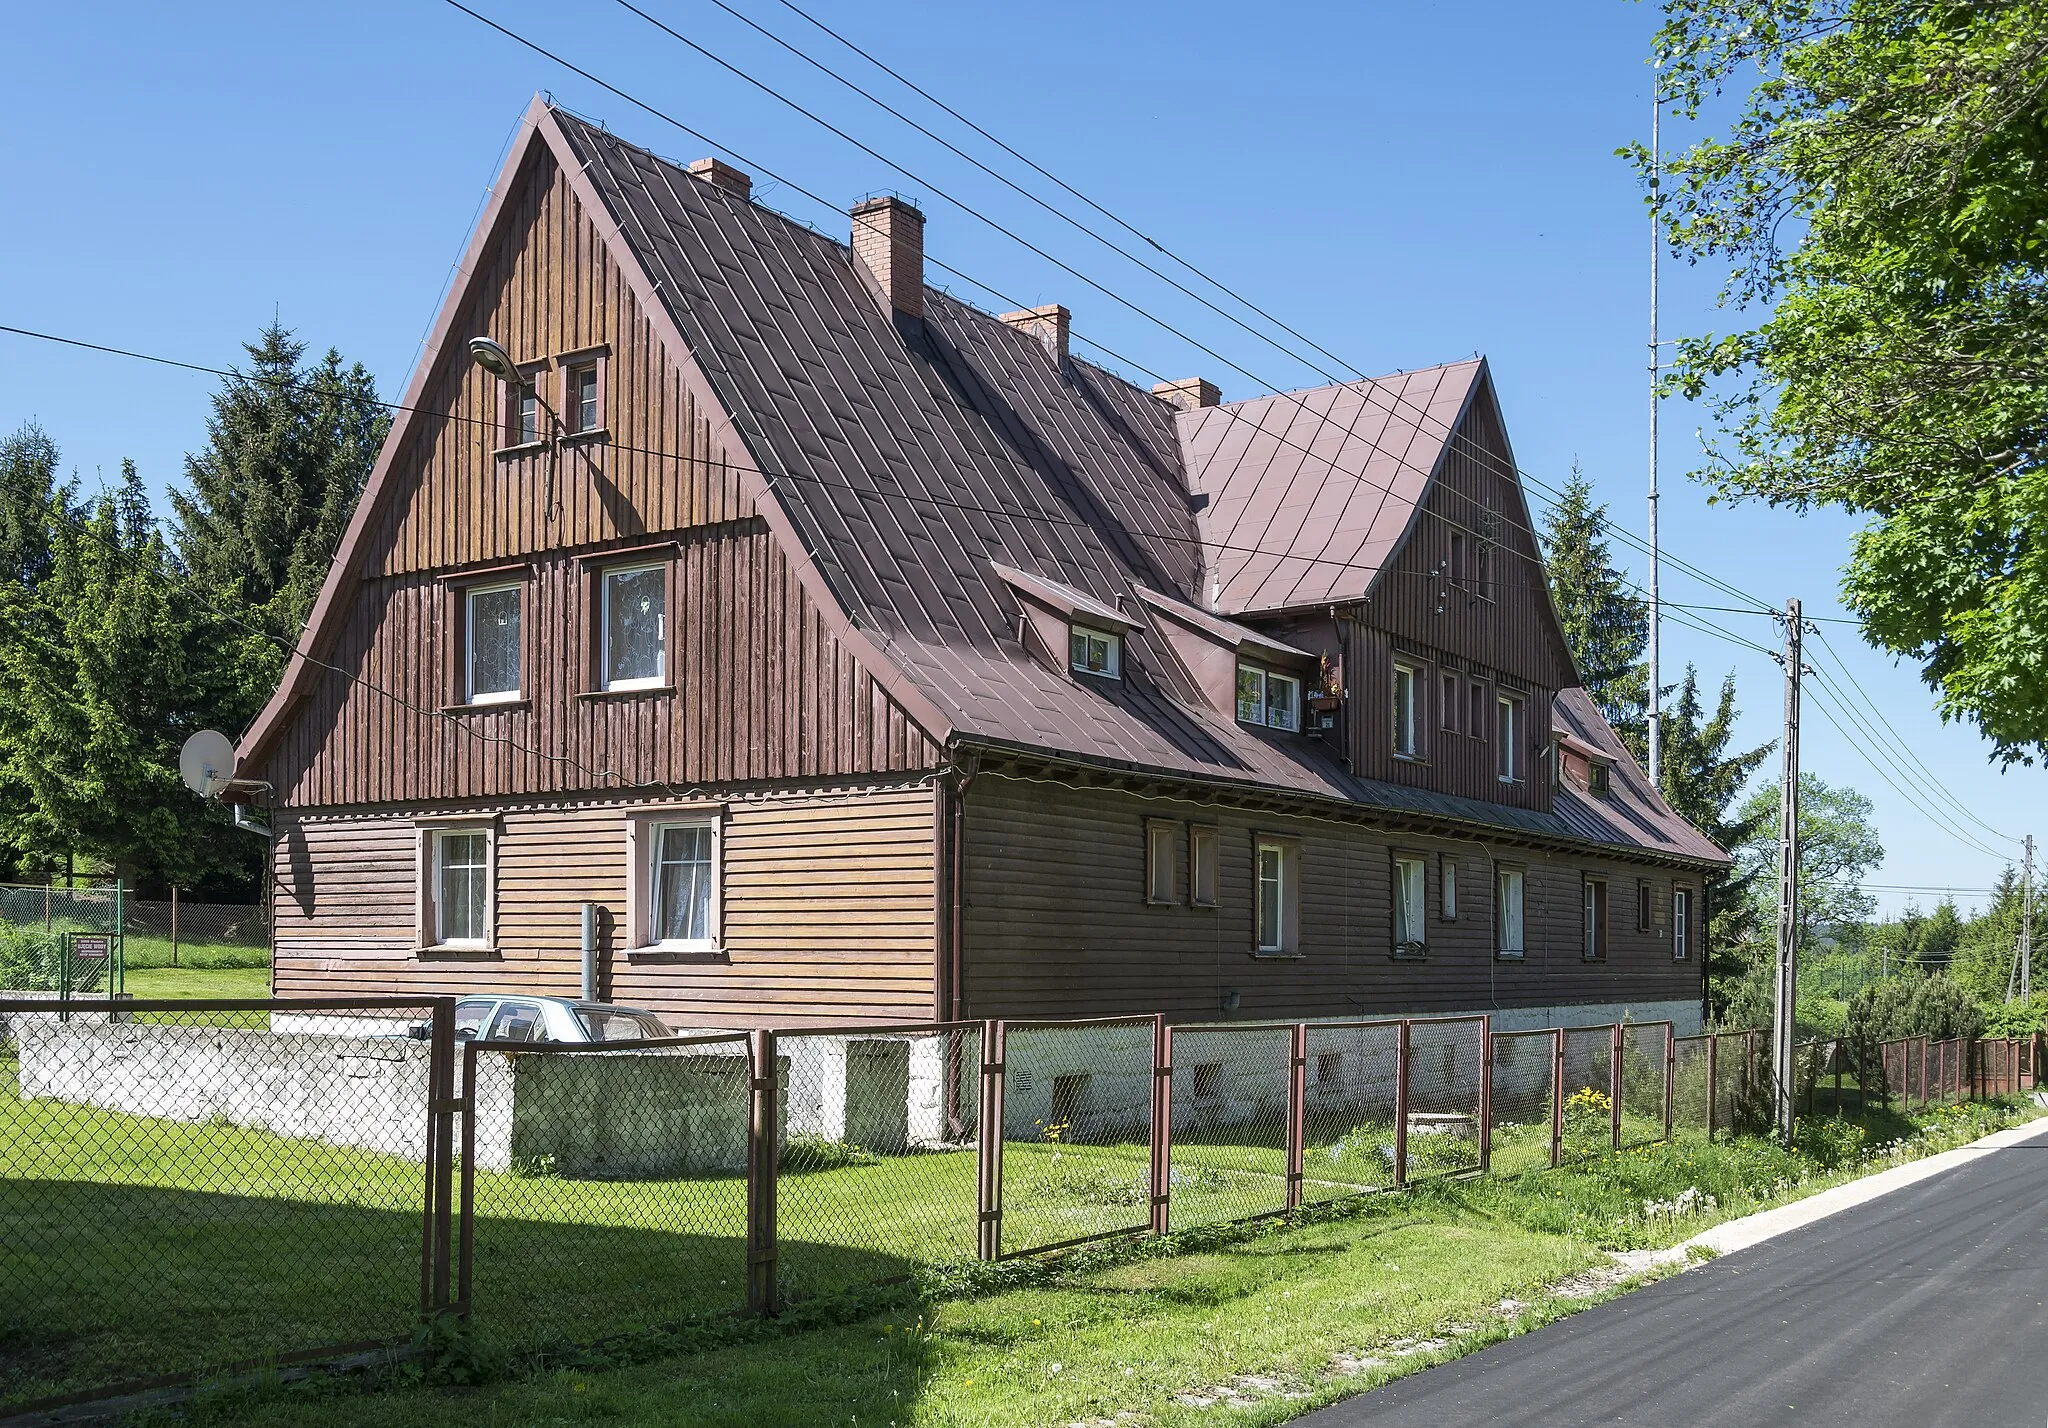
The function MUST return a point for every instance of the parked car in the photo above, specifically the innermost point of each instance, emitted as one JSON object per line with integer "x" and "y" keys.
{"x": 549, "y": 1019}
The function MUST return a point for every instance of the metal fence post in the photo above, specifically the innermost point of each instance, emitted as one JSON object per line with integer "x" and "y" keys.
{"x": 1713, "y": 1082}
{"x": 1297, "y": 1114}
{"x": 989, "y": 1154}
{"x": 1485, "y": 1094}
{"x": 465, "y": 1233}
{"x": 761, "y": 1167}
{"x": 1748, "y": 1065}
{"x": 1923, "y": 1072}
{"x": 1401, "y": 1106}
{"x": 1557, "y": 1098}
{"x": 1614, "y": 1086}
{"x": 436, "y": 1220}
{"x": 1670, "y": 1073}
{"x": 1162, "y": 1124}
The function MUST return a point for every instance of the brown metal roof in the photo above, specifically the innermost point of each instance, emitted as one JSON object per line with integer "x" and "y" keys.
{"x": 914, "y": 458}
{"x": 1310, "y": 492}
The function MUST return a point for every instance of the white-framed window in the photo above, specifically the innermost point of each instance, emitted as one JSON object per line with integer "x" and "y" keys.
{"x": 1404, "y": 710}
{"x": 1159, "y": 862}
{"x": 1268, "y": 698}
{"x": 1411, "y": 937}
{"x": 1681, "y": 923}
{"x": 457, "y": 901}
{"x": 490, "y": 637}
{"x": 634, "y": 626}
{"x": 1095, "y": 652}
{"x": 582, "y": 387}
{"x": 1595, "y": 908}
{"x": 682, "y": 884}
{"x": 1447, "y": 892}
{"x": 1276, "y": 864}
{"x": 1507, "y": 737}
{"x": 1508, "y": 887}
{"x": 1203, "y": 840}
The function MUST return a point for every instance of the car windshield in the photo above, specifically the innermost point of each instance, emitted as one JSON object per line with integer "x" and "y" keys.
{"x": 611, "y": 1024}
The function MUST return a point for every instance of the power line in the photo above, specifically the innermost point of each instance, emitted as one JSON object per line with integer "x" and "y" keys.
{"x": 1905, "y": 747}
{"x": 1877, "y": 766}
{"x": 1371, "y": 390}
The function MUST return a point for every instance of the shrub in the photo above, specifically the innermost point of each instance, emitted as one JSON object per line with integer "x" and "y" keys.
{"x": 1588, "y": 1122}
{"x": 29, "y": 959}
{"x": 806, "y": 1151}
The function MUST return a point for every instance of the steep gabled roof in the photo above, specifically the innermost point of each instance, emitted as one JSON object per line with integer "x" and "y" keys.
{"x": 921, "y": 472}
{"x": 1309, "y": 493}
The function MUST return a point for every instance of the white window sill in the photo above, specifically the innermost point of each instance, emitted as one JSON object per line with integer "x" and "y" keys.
{"x": 579, "y": 438}
{"x": 488, "y": 706}
{"x": 524, "y": 448}
{"x": 627, "y": 691}
{"x": 656, "y": 953}
{"x": 1269, "y": 956}
{"x": 477, "y": 951}
{"x": 1510, "y": 956}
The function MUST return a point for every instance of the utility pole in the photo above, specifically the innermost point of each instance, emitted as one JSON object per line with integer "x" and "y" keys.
{"x": 1786, "y": 1003}
{"x": 1656, "y": 613}
{"x": 2020, "y": 980}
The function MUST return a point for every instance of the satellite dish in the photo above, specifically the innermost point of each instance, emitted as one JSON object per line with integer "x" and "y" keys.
{"x": 207, "y": 762}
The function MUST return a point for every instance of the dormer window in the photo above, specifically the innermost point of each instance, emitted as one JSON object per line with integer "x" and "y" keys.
{"x": 1095, "y": 652}
{"x": 1599, "y": 782}
{"x": 1268, "y": 698}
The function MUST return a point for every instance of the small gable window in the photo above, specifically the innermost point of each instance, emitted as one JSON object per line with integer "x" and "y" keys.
{"x": 1507, "y": 753}
{"x": 583, "y": 409}
{"x": 522, "y": 410}
{"x": 1268, "y": 698}
{"x": 1095, "y": 652}
{"x": 1449, "y": 712}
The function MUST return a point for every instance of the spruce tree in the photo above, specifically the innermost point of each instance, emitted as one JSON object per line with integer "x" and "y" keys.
{"x": 289, "y": 448}
{"x": 1606, "y": 626}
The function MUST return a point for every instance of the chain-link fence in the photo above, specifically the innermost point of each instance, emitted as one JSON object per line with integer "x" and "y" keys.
{"x": 881, "y": 1154}
{"x": 1645, "y": 1054}
{"x": 604, "y": 1185}
{"x": 182, "y": 1198}
{"x": 1078, "y": 1154}
{"x": 1230, "y": 1153}
{"x": 178, "y": 932}
{"x": 66, "y": 942}
{"x": 1524, "y": 1103}
{"x": 1353, "y": 1072}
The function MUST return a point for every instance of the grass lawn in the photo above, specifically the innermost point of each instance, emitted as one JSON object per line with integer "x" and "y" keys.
{"x": 132, "y": 1246}
{"x": 165, "y": 983}
{"x": 1280, "y": 1317}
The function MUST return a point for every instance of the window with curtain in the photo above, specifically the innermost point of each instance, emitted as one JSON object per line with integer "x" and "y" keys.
{"x": 462, "y": 888}
{"x": 1509, "y": 938}
{"x": 635, "y": 654}
{"x": 491, "y": 631}
{"x": 683, "y": 884}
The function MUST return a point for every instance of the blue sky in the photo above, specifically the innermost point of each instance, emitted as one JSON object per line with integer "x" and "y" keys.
{"x": 1404, "y": 184}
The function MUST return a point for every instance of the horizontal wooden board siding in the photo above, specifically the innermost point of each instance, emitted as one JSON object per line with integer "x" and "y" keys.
{"x": 764, "y": 690}
{"x": 828, "y": 912}
{"x": 1417, "y": 611}
{"x": 1057, "y": 923}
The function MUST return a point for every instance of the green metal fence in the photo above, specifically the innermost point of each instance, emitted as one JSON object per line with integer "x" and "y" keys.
{"x": 70, "y": 941}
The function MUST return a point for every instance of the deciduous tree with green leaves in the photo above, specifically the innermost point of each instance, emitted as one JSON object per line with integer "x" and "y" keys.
{"x": 1882, "y": 193}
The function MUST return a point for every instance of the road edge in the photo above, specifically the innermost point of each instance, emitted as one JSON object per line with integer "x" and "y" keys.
{"x": 1734, "y": 1236}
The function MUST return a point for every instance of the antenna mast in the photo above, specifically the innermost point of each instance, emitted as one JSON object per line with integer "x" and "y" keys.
{"x": 1656, "y": 731}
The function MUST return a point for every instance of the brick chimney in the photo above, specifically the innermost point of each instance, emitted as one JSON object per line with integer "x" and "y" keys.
{"x": 888, "y": 238}
{"x": 1047, "y": 324}
{"x": 1188, "y": 394}
{"x": 723, "y": 175}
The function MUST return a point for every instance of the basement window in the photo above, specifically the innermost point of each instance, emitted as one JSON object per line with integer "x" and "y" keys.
{"x": 1095, "y": 652}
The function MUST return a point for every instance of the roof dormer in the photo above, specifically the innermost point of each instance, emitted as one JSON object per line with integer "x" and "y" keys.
{"x": 1065, "y": 629}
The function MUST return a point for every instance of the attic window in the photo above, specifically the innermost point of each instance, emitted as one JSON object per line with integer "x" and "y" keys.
{"x": 1599, "y": 782}
{"x": 1268, "y": 698}
{"x": 1095, "y": 652}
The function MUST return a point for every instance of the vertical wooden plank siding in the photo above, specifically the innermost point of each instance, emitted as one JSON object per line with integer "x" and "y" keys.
{"x": 828, "y": 910}
{"x": 1503, "y": 642}
{"x": 1058, "y": 923}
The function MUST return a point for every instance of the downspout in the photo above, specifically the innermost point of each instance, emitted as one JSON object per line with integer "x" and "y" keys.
{"x": 956, "y": 892}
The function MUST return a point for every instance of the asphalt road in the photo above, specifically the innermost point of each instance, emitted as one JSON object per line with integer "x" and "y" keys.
{"x": 1923, "y": 1307}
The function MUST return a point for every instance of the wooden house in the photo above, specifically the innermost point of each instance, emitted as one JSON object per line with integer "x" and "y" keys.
{"x": 865, "y": 656}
